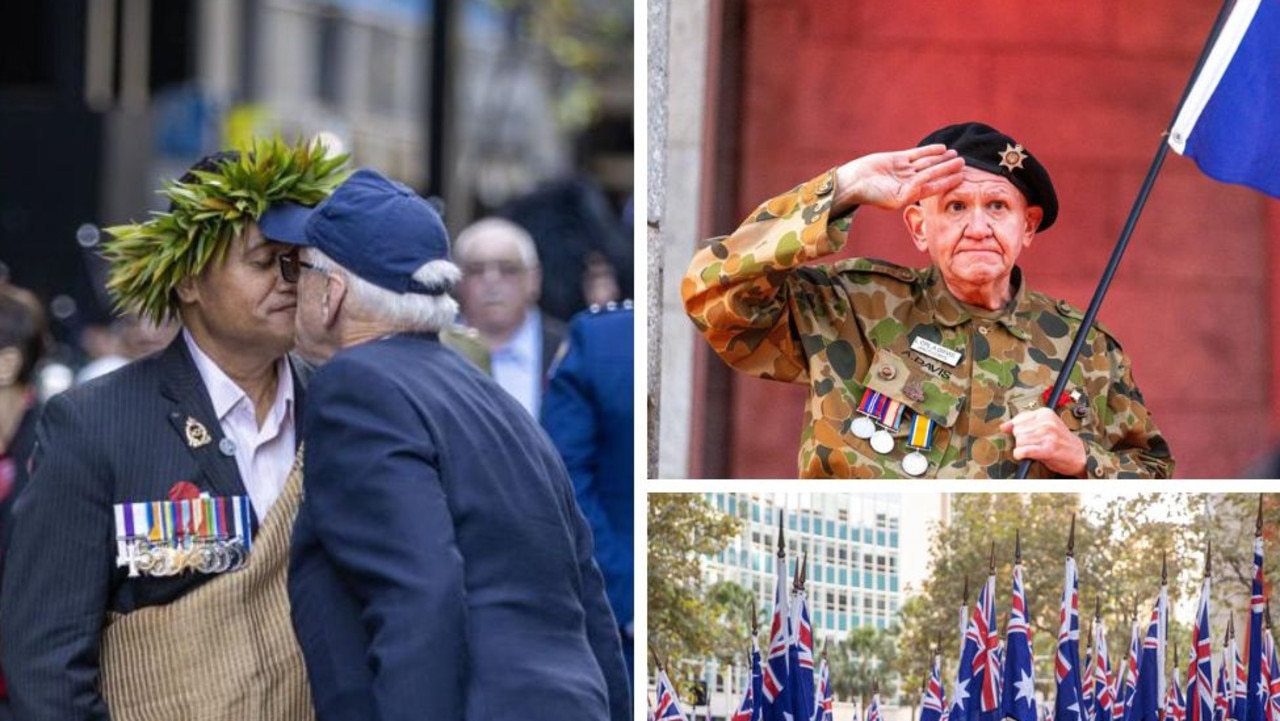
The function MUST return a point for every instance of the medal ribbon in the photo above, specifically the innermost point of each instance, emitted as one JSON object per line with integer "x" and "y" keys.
{"x": 921, "y": 435}
{"x": 881, "y": 408}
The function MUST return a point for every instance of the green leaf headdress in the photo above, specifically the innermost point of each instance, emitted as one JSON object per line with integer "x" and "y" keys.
{"x": 148, "y": 260}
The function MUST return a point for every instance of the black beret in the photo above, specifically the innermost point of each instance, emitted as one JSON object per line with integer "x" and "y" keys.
{"x": 986, "y": 148}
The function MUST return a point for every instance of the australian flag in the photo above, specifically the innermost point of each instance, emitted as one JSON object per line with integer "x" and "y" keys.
{"x": 1066, "y": 666}
{"x": 1149, "y": 691}
{"x": 1103, "y": 690}
{"x": 1255, "y": 702}
{"x": 873, "y": 711}
{"x": 746, "y": 710}
{"x": 1228, "y": 122}
{"x": 1199, "y": 692}
{"x": 1224, "y": 690}
{"x": 963, "y": 702}
{"x": 1129, "y": 670}
{"x": 1018, "y": 700}
{"x": 777, "y": 670}
{"x": 822, "y": 710}
{"x": 1237, "y": 704}
{"x": 1264, "y": 676}
{"x": 801, "y": 658}
{"x": 986, "y": 664}
{"x": 1174, "y": 707}
{"x": 668, "y": 707}
{"x": 931, "y": 702}
{"x": 1275, "y": 679}
{"x": 757, "y": 681}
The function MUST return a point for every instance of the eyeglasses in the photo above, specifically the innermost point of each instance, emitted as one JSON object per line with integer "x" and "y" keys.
{"x": 504, "y": 268}
{"x": 291, "y": 265}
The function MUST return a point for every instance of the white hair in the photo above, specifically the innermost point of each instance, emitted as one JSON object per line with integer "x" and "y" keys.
{"x": 487, "y": 228}
{"x": 409, "y": 312}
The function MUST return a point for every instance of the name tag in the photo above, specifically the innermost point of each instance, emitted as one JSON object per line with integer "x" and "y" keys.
{"x": 924, "y": 346}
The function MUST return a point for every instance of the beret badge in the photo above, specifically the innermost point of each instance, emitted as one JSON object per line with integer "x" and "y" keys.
{"x": 1012, "y": 156}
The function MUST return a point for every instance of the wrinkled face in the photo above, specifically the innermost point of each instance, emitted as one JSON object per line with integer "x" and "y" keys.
{"x": 498, "y": 284}
{"x": 975, "y": 232}
{"x": 317, "y": 337}
{"x": 240, "y": 302}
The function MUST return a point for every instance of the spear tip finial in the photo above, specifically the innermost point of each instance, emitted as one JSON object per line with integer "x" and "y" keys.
{"x": 1071, "y": 537}
{"x": 1017, "y": 545}
{"x": 1257, "y": 526}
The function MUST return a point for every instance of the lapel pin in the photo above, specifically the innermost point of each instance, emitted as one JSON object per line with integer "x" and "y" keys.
{"x": 197, "y": 434}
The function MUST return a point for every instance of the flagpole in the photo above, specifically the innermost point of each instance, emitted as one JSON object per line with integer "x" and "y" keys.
{"x": 1123, "y": 243}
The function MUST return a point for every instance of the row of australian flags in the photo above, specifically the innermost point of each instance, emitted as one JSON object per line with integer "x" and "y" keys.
{"x": 995, "y": 679}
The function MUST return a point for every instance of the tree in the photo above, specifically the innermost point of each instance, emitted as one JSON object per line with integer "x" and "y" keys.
{"x": 862, "y": 659}
{"x": 1118, "y": 555}
{"x": 687, "y": 623}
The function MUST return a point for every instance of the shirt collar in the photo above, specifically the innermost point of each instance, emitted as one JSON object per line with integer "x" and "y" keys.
{"x": 522, "y": 344}
{"x": 951, "y": 312}
{"x": 225, "y": 393}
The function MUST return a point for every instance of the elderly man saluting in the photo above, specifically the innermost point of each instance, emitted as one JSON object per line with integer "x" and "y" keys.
{"x": 440, "y": 566}
{"x": 939, "y": 372}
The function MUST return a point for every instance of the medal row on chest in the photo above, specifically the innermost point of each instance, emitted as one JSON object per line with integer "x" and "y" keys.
{"x": 168, "y": 538}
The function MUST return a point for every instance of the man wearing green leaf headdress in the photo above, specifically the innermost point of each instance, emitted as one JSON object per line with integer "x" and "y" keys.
{"x": 145, "y": 576}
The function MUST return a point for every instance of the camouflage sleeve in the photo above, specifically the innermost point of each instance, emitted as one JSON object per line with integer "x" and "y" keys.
{"x": 740, "y": 291}
{"x": 1133, "y": 446}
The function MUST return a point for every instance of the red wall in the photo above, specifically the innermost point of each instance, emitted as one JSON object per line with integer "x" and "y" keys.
{"x": 1088, "y": 86}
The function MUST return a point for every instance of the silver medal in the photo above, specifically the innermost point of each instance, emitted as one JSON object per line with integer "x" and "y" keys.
{"x": 915, "y": 464}
{"x": 882, "y": 442}
{"x": 863, "y": 427}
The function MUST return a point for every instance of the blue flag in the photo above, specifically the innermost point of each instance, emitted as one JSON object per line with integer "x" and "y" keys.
{"x": 777, "y": 669}
{"x": 757, "y": 682}
{"x": 986, "y": 662}
{"x": 1228, "y": 122}
{"x": 1148, "y": 694}
{"x": 822, "y": 710}
{"x": 963, "y": 701}
{"x": 931, "y": 702}
{"x": 1199, "y": 693}
{"x": 1103, "y": 689}
{"x": 800, "y": 656}
{"x": 1018, "y": 697}
{"x": 1255, "y": 702}
{"x": 668, "y": 707}
{"x": 1067, "y": 702}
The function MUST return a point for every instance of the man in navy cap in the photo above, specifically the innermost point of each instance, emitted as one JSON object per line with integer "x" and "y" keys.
{"x": 940, "y": 371}
{"x": 440, "y": 568}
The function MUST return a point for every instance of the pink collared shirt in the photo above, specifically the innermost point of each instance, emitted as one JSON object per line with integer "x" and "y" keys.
{"x": 264, "y": 454}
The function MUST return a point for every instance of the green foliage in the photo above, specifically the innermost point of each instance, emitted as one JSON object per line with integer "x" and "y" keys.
{"x": 1118, "y": 554}
{"x": 863, "y": 660}
{"x": 687, "y": 623}
{"x": 148, "y": 260}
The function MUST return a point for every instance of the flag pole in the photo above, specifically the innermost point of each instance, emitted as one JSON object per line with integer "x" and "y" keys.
{"x": 1123, "y": 243}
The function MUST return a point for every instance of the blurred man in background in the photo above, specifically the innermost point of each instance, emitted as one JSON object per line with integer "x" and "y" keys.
{"x": 499, "y": 294}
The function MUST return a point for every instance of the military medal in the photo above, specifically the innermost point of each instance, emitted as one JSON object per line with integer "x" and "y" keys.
{"x": 882, "y": 441}
{"x": 863, "y": 426}
{"x": 168, "y": 538}
{"x": 919, "y": 440}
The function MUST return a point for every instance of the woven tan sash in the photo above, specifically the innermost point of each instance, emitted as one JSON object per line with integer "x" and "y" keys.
{"x": 224, "y": 652}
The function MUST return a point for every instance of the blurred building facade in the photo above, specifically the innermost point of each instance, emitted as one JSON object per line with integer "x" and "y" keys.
{"x": 101, "y": 100}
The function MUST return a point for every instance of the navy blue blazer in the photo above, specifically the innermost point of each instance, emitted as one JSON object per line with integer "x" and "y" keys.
{"x": 116, "y": 439}
{"x": 588, "y": 412}
{"x": 440, "y": 568}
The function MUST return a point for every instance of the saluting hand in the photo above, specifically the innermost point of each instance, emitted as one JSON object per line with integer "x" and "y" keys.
{"x": 1042, "y": 436}
{"x": 897, "y": 179}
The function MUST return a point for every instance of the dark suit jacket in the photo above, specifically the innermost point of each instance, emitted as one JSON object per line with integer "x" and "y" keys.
{"x": 441, "y": 569}
{"x": 116, "y": 439}
{"x": 588, "y": 412}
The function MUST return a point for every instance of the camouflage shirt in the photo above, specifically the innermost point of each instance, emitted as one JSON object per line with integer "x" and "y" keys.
{"x": 850, "y": 326}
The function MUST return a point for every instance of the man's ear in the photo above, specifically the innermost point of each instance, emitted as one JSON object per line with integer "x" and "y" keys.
{"x": 913, "y": 216}
{"x": 1035, "y": 214}
{"x": 335, "y": 293}
{"x": 186, "y": 290}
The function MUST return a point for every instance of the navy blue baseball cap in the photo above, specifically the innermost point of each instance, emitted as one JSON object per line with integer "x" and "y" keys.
{"x": 371, "y": 225}
{"x": 986, "y": 148}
